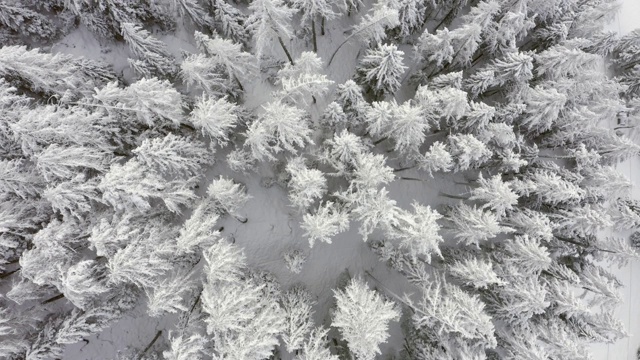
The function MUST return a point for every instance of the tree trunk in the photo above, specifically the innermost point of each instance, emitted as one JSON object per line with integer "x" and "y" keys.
{"x": 155, "y": 338}
{"x": 404, "y": 168}
{"x": 380, "y": 140}
{"x": 322, "y": 26}
{"x": 286, "y": 51}
{"x": 313, "y": 36}
{"x": 457, "y": 197}
{"x": 57, "y": 297}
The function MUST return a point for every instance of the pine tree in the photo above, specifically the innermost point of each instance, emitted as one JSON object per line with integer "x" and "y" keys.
{"x": 59, "y": 75}
{"x": 151, "y": 51}
{"x": 185, "y": 347}
{"x": 133, "y": 185}
{"x": 168, "y": 295}
{"x": 362, "y": 317}
{"x": 228, "y": 197}
{"x": 475, "y": 273}
{"x": 228, "y": 56}
{"x": 305, "y": 185}
{"x": 381, "y": 69}
{"x": 303, "y": 81}
{"x": 467, "y": 151}
{"x": 496, "y": 194}
{"x": 327, "y": 221}
{"x": 192, "y": 10}
{"x": 418, "y": 232}
{"x": 297, "y": 305}
{"x": 153, "y": 102}
{"x": 472, "y": 225}
{"x": 315, "y": 348}
{"x": 200, "y": 72}
{"x": 230, "y": 21}
{"x": 436, "y": 159}
{"x": 280, "y": 128}
{"x": 270, "y": 20}
{"x": 372, "y": 28}
{"x": 173, "y": 155}
{"x": 215, "y": 118}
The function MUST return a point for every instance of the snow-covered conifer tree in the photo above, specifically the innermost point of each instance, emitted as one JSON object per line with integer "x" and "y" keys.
{"x": 228, "y": 56}
{"x": 316, "y": 346}
{"x": 133, "y": 185}
{"x": 474, "y": 272}
{"x": 192, "y": 10}
{"x": 362, "y": 317}
{"x": 230, "y": 21}
{"x": 303, "y": 81}
{"x": 200, "y": 72}
{"x": 297, "y": 305}
{"x": 152, "y": 52}
{"x": 215, "y": 118}
{"x": 270, "y": 20}
{"x": 543, "y": 108}
{"x": 280, "y": 128}
{"x": 153, "y": 102}
{"x": 168, "y": 295}
{"x": 381, "y": 69}
{"x": 496, "y": 194}
{"x": 472, "y": 225}
{"x": 198, "y": 229}
{"x": 327, "y": 221}
{"x": 185, "y": 347}
{"x": 372, "y": 27}
{"x": 418, "y": 232}
{"x": 436, "y": 159}
{"x": 173, "y": 155}
{"x": 228, "y": 197}
{"x": 585, "y": 220}
{"x": 306, "y": 185}
{"x": 467, "y": 151}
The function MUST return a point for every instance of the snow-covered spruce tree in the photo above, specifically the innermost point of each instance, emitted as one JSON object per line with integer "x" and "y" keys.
{"x": 327, "y": 221}
{"x": 270, "y": 20}
{"x": 372, "y": 27}
{"x": 305, "y": 185}
{"x": 228, "y": 197}
{"x": 153, "y": 55}
{"x": 380, "y": 70}
{"x": 362, "y": 316}
{"x": 280, "y": 128}
{"x": 192, "y": 10}
{"x": 312, "y": 11}
{"x": 228, "y": 56}
{"x": 60, "y": 75}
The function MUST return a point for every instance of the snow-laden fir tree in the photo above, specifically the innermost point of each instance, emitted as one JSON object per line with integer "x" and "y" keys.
{"x": 298, "y": 308}
{"x": 215, "y": 118}
{"x": 381, "y": 70}
{"x": 362, "y": 316}
{"x": 153, "y": 54}
{"x": 418, "y": 232}
{"x": 472, "y": 225}
{"x": 305, "y": 185}
{"x": 326, "y": 222}
{"x": 228, "y": 56}
{"x": 270, "y": 20}
{"x": 228, "y": 197}
{"x": 280, "y": 127}
{"x": 495, "y": 194}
